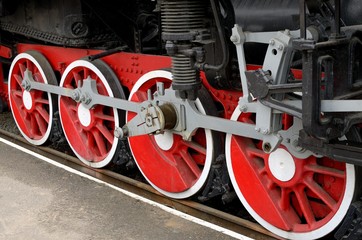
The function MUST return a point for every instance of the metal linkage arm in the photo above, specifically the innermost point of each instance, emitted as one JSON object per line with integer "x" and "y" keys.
{"x": 86, "y": 94}
{"x": 29, "y": 84}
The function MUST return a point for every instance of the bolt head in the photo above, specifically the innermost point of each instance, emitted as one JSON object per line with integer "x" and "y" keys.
{"x": 75, "y": 96}
{"x": 265, "y": 132}
{"x": 26, "y": 85}
{"x": 88, "y": 100}
{"x": 149, "y": 121}
{"x": 118, "y": 133}
{"x": 244, "y": 108}
{"x": 267, "y": 147}
{"x": 234, "y": 38}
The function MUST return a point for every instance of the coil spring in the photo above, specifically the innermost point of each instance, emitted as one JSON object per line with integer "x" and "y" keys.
{"x": 183, "y": 71}
{"x": 181, "y": 23}
{"x": 181, "y": 17}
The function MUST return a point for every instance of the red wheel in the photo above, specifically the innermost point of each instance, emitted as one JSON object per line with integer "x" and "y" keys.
{"x": 175, "y": 167}
{"x": 32, "y": 110}
{"x": 90, "y": 132}
{"x": 293, "y": 198}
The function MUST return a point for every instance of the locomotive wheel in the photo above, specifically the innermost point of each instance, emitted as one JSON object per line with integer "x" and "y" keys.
{"x": 90, "y": 132}
{"x": 293, "y": 198}
{"x": 32, "y": 110}
{"x": 175, "y": 167}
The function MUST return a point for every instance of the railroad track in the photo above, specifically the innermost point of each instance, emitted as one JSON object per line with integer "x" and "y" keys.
{"x": 198, "y": 210}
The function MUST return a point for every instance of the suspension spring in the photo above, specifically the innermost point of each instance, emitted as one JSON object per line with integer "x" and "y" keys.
{"x": 183, "y": 28}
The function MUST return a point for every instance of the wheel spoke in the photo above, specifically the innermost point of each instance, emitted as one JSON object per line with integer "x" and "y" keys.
{"x": 105, "y": 132}
{"x": 273, "y": 201}
{"x": 42, "y": 101}
{"x": 18, "y": 79}
{"x": 29, "y": 66}
{"x": 20, "y": 119}
{"x": 37, "y": 77}
{"x": 22, "y": 69}
{"x": 73, "y": 108}
{"x": 195, "y": 146}
{"x": 140, "y": 96}
{"x": 284, "y": 199}
{"x": 40, "y": 123}
{"x": 77, "y": 135}
{"x": 251, "y": 153}
{"x": 102, "y": 116}
{"x": 305, "y": 206}
{"x": 69, "y": 86}
{"x": 182, "y": 171}
{"x": 70, "y": 105}
{"x": 93, "y": 149}
{"x": 43, "y": 113}
{"x": 255, "y": 152}
{"x": 86, "y": 72}
{"x": 326, "y": 171}
{"x": 190, "y": 163}
{"x": 321, "y": 193}
{"x": 33, "y": 125}
{"x": 77, "y": 78}
{"x": 17, "y": 94}
{"x": 99, "y": 142}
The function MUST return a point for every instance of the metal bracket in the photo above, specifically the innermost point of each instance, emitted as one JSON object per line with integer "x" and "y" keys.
{"x": 149, "y": 120}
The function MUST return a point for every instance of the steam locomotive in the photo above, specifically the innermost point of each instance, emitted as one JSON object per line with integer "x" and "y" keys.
{"x": 257, "y": 99}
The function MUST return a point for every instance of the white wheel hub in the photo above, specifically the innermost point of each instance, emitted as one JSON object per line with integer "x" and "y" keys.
{"x": 164, "y": 141}
{"x": 27, "y": 100}
{"x": 281, "y": 165}
{"x": 84, "y": 115}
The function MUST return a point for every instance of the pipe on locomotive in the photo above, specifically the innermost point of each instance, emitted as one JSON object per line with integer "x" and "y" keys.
{"x": 224, "y": 46}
